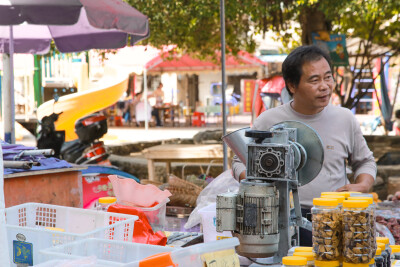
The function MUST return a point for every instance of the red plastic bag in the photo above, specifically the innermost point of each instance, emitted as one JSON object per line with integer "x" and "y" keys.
{"x": 142, "y": 232}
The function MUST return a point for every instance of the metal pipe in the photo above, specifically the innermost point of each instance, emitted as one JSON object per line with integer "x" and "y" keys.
{"x": 222, "y": 18}
{"x": 20, "y": 164}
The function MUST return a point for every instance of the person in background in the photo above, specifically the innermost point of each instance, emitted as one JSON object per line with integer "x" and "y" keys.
{"x": 158, "y": 94}
{"x": 308, "y": 76}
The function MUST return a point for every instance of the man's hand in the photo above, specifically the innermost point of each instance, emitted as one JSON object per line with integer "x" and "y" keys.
{"x": 242, "y": 176}
{"x": 364, "y": 183}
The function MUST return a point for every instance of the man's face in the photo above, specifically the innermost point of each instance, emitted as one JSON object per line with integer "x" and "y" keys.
{"x": 314, "y": 90}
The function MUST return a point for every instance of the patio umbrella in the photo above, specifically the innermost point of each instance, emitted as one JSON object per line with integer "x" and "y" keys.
{"x": 74, "y": 25}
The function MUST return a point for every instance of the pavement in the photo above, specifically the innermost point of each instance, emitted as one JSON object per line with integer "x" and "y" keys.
{"x": 131, "y": 134}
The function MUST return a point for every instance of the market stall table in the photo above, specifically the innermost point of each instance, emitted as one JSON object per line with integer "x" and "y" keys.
{"x": 61, "y": 186}
{"x": 169, "y": 153}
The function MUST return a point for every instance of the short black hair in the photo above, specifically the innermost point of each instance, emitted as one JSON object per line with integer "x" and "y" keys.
{"x": 397, "y": 114}
{"x": 293, "y": 64}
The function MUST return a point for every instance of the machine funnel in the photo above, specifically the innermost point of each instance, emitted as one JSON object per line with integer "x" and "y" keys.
{"x": 237, "y": 141}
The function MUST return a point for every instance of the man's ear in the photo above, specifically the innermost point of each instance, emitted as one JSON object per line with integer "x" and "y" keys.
{"x": 291, "y": 87}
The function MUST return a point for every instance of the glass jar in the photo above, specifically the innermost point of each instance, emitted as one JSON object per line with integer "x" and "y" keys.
{"x": 326, "y": 229}
{"x": 105, "y": 202}
{"x": 327, "y": 263}
{"x": 294, "y": 261}
{"x": 385, "y": 240}
{"x": 379, "y": 260}
{"x": 308, "y": 255}
{"x": 356, "y": 232}
{"x": 383, "y": 254}
{"x": 372, "y": 208}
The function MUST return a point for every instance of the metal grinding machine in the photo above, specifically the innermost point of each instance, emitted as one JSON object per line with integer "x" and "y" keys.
{"x": 277, "y": 162}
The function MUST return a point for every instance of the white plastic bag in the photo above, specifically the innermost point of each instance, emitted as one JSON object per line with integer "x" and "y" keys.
{"x": 225, "y": 182}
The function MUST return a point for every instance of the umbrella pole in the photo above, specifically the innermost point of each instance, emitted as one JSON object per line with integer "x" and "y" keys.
{"x": 146, "y": 121}
{"x": 222, "y": 17}
{"x": 8, "y": 93}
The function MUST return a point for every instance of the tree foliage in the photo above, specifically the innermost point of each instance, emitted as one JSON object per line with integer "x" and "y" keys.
{"x": 194, "y": 27}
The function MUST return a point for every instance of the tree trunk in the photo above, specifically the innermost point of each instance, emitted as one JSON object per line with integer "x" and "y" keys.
{"x": 312, "y": 20}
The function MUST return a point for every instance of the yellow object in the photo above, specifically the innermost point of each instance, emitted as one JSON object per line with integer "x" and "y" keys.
{"x": 345, "y": 194}
{"x": 395, "y": 248}
{"x": 55, "y": 229}
{"x": 378, "y": 251}
{"x": 303, "y": 249}
{"x": 368, "y": 199}
{"x": 372, "y": 262}
{"x": 339, "y": 198}
{"x": 306, "y": 254}
{"x": 346, "y": 264}
{"x": 382, "y": 239}
{"x": 381, "y": 246}
{"x": 107, "y": 200}
{"x": 327, "y": 263}
{"x": 221, "y": 258}
{"x": 294, "y": 260}
{"x": 77, "y": 105}
{"x": 355, "y": 204}
{"x": 325, "y": 202}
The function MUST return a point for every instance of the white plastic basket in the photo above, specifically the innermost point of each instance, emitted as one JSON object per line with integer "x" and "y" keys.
{"x": 107, "y": 252}
{"x": 32, "y": 227}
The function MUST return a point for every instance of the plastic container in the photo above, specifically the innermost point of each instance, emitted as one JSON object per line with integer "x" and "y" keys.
{"x": 308, "y": 255}
{"x": 189, "y": 256}
{"x": 27, "y": 234}
{"x": 395, "y": 252}
{"x": 208, "y": 223}
{"x": 105, "y": 202}
{"x": 357, "y": 243}
{"x": 299, "y": 249}
{"x": 379, "y": 260}
{"x": 346, "y": 264}
{"x": 326, "y": 229}
{"x": 384, "y": 253}
{"x": 327, "y": 263}
{"x": 388, "y": 249}
{"x": 107, "y": 252}
{"x": 156, "y": 215}
{"x": 372, "y": 210}
{"x": 294, "y": 261}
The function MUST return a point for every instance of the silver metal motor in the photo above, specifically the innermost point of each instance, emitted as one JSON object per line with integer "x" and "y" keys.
{"x": 277, "y": 162}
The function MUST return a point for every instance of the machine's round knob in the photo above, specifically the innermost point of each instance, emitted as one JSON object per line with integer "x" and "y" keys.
{"x": 259, "y": 136}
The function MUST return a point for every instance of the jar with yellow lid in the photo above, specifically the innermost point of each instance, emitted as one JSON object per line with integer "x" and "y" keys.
{"x": 299, "y": 249}
{"x": 379, "y": 260}
{"x": 345, "y": 194}
{"x": 356, "y": 232}
{"x": 395, "y": 252}
{"x": 385, "y": 240}
{"x": 308, "y": 255}
{"x": 105, "y": 202}
{"x": 372, "y": 208}
{"x": 327, "y": 263}
{"x": 294, "y": 261}
{"x": 326, "y": 229}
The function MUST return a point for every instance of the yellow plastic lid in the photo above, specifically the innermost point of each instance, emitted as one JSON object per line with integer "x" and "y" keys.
{"x": 294, "y": 260}
{"x": 325, "y": 202}
{"x": 382, "y": 239}
{"x": 355, "y": 204}
{"x": 339, "y": 198}
{"x": 327, "y": 263}
{"x": 378, "y": 251}
{"x": 370, "y": 200}
{"x": 303, "y": 249}
{"x": 381, "y": 246}
{"x": 346, "y": 264}
{"x": 334, "y": 193}
{"x": 55, "y": 229}
{"x": 395, "y": 248}
{"x": 306, "y": 254}
{"x": 107, "y": 200}
{"x": 372, "y": 262}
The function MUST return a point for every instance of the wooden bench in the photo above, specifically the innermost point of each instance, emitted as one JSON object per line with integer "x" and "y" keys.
{"x": 169, "y": 153}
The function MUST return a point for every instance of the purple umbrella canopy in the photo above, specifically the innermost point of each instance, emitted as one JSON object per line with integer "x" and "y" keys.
{"x": 74, "y": 25}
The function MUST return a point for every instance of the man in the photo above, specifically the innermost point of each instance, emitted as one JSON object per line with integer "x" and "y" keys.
{"x": 158, "y": 94}
{"x": 308, "y": 77}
